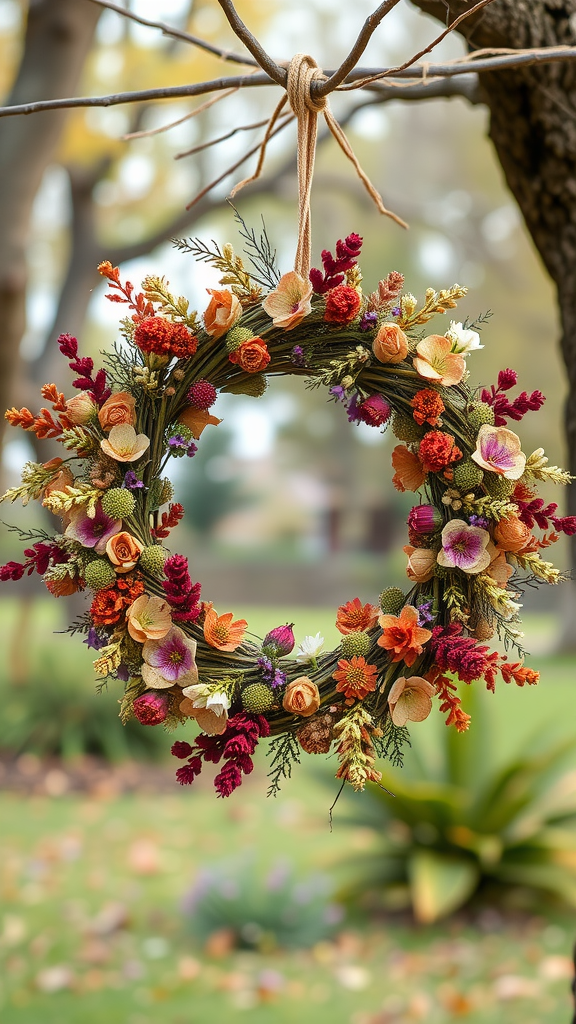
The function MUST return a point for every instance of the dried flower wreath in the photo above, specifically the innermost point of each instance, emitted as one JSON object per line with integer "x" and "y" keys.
{"x": 471, "y": 545}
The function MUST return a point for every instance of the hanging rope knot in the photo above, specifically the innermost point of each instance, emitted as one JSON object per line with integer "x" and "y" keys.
{"x": 302, "y": 72}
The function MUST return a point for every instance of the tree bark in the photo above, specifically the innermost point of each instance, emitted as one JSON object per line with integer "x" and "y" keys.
{"x": 533, "y": 129}
{"x": 58, "y": 37}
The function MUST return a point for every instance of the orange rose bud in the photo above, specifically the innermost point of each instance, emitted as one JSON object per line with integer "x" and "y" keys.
{"x": 252, "y": 356}
{"x": 80, "y": 409}
{"x": 222, "y": 312}
{"x": 390, "y": 344}
{"x": 301, "y": 697}
{"x": 123, "y": 550}
{"x": 118, "y": 409}
{"x": 511, "y": 534}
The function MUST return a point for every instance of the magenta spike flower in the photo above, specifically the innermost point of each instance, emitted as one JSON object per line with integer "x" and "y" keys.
{"x": 202, "y": 394}
{"x": 281, "y": 638}
{"x": 151, "y": 708}
{"x": 424, "y": 519}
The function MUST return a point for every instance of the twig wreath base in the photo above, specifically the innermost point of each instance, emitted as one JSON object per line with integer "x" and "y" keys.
{"x": 471, "y": 542}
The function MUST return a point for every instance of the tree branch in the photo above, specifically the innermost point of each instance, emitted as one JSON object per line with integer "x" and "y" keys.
{"x": 276, "y": 73}
{"x": 177, "y": 33}
{"x": 348, "y": 65}
{"x": 463, "y": 66}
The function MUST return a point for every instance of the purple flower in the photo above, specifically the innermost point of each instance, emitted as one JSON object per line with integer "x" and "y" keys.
{"x": 298, "y": 358}
{"x": 270, "y": 674}
{"x": 464, "y": 547}
{"x": 170, "y": 660}
{"x": 353, "y": 410}
{"x": 93, "y": 641}
{"x": 368, "y": 321}
{"x": 338, "y": 393}
{"x": 480, "y": 521}
{"x": 93, "y": 533}
{"x": 395, "y": 311}
{"x": 425, "y": 613}
{"x": 122, "y": 673}
{"x": 180, "y": 445}
{"x": 131, "y": 481}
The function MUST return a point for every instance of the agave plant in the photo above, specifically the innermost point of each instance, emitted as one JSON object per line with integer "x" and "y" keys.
{"x": 451, "y": 827}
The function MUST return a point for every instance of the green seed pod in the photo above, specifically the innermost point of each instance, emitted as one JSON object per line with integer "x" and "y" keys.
{"x": 99, "y": 574}
{"x": 479, "y": 413}
{"x": 257, "y": 698}
{"x": 391, "y": 600}
{"x": 118, "y": 503}
{"x": 356, "y": 645}
{"x": 498, "y": 487}
{"x": 406, "y": 429}
{"x": 235, "y": 337}
{"x": 152, "y": 560}
{"x": 467, "y": 475}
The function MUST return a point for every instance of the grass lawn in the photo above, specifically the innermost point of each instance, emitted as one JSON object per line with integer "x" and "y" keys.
{"x": 91, "y": 928}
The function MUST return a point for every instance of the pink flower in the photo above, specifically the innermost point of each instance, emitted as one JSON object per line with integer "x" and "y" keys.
{"x": 499, "y": 451}
{"x": 169, "y": 660}
{"x": 464, "y": 547}
{"x": 436, "y": 361}
{"x": 151, "y": 708}
{"x": 289, "y": 303}
{"x": 374, "y": 411}
{"x": 424, "y": 519}
{"x": 93, "y": 532}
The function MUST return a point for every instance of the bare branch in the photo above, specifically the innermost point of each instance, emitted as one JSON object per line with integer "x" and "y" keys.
{"x": 348, "y": 65}
{"x": 465, "y": 86}
{"x": 462, "y": 66}
{"x": 177, "y": 33}
{"x": 276, "y": 73}
{"x": 222, "y": 138}
{"x": 422, "y": 53}
{"x": 187, "y": 117}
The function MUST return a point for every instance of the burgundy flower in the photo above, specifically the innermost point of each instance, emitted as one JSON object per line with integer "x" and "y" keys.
{"x": 151, "y": 708}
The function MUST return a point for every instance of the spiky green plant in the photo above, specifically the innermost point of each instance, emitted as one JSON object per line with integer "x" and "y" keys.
{"x": 454, "y": 826}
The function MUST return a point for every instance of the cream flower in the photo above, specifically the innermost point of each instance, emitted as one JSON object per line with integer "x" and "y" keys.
{"x": 209, "y": 708}
{"x": 499, "y": 451}
{"x": 421, "y": 563}
{"x": 290, "y": 302}
{"x": 148, "y": 618}
{"x": 410, "y": 700}
{"x": 463, "y": 340}
{"x": 123, "y": 444}
{"x": 309, "y": 648}
{"x": 435, "y": 360}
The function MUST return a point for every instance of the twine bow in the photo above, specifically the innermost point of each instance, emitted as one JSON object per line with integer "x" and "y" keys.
{"x": 302, "y": 71}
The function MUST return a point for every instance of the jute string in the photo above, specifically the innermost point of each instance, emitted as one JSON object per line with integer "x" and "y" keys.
{"x": 302, "y": 71}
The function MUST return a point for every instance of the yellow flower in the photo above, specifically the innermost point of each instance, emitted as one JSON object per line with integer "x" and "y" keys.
{"x": 123, "y": 444}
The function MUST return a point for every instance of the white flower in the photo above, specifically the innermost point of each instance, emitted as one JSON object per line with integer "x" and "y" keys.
{"x": 209, "y": 707}
{"x": 463, "y": 340}
{"x": 219, "y": 703}
{"x": 310, "y": 648}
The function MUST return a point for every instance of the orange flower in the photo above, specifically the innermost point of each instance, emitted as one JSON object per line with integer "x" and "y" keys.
{"x": 59, "y": 482}
{"x": 428, "y": 407}
{"x": 197, "y": 419}
{"x": 64, "y": 587}
{"x": 499, "y": 569}
{"x": 222, "y": 312}
{"x": 301, "y": 697}
{"x": 221, "y": 632}
{"x": 410, "y": 473}
{"x": 410, "y": 700}
{"x": 148, "y": 618}
{"x": 80, "y": 408}
{"x": 435, "y": 361}
{"x": 402, "y": 636}
{"x": 119, "y": 408}
{"x": 124, "y": 550}
{"x": 421, "y": 562}
{"x": 390, "y": 344}
{"x": 289, "y": 303}
{"x": 511, "y": 534}
{"x": 355, "y": 678}
{"x": 354, "y": 616}
{"x": 252, "y": 355}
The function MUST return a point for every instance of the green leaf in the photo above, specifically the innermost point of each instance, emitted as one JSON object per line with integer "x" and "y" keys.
{"x": 439, "y": 884}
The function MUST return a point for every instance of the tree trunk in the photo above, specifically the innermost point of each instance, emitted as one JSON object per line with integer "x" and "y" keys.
{"x": 533, "y": 129}
{"x": 58, "y": 37}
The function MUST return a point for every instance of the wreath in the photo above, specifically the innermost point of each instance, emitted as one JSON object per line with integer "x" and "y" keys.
{"x": 471, "y": 542}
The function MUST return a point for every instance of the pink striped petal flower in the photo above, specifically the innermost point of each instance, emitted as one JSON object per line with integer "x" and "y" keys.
{"x": 499, "y": 451}
{"x": 464, "y": 547}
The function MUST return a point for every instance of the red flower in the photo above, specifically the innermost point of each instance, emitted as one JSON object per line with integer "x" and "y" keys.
{"x": 342, "y": 305}
{"x": 428, "y": 407}
{"x": 437, "y": 450}
{"x": 164, "y": 338}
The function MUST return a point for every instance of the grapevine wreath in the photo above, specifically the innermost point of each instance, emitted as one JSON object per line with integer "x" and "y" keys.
{"x": 471, "y": 546}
